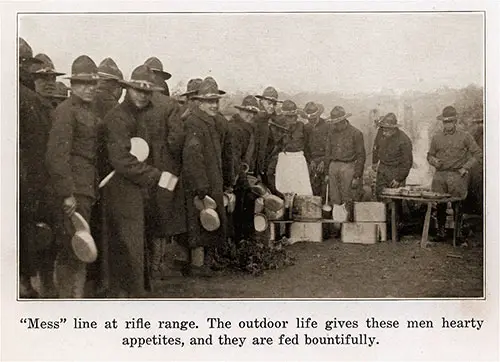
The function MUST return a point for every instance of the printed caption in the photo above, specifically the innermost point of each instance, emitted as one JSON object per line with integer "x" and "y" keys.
{"x": 138, "y": 332}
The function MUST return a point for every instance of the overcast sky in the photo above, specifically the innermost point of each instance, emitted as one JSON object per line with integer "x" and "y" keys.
{"x": 347, "y": 53}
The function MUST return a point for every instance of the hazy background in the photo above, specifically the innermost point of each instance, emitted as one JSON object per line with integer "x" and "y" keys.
{"x": 372, "y": 63}
{"x": 347, "y": 53}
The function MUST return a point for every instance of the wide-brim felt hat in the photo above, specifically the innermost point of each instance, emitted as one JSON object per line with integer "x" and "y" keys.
{"x": 289, "y": 108}
{"x": 26, "y": 53}
{"x": 108, "y": 69}
{"x": 44, "y": 67}
{"x": 311, "y": 110}
{"x": 270, "y": 94}
{"x": 192, "y": 87}
{"x": 389, "y": 121}
{"x": 157, "y": 67}
{"x": 208, "y": 90}
{"x": 449, "y": 114}
{"x": 249, "y": 104}
{"x": 142, "y": 78}
{"x": 338, "y": 114}
{"x": 84, "y": 69}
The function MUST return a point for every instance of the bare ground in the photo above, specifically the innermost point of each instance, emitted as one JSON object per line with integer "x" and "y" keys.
{"x": 333, "y": 269}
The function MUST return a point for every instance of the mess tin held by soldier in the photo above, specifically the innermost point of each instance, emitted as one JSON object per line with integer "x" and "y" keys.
{"x": 453, "y": 153}
{"x": 137, "y": 196}
{"x": 71, "y": 156}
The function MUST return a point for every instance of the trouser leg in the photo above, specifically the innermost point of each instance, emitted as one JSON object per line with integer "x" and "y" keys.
{"x": 70, "y": 271}
{"x": 346, "y": 191}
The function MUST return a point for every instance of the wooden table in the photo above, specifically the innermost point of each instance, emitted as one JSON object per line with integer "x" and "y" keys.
{"x": 456, "y": 201}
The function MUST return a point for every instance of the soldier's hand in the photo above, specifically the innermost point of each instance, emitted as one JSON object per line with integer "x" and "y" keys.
{"x": 321, "y": 167}
{"x": 394, "y": 184}
{"x": 312, "y": 167}
{"x": 462, "y": 171}
{"x": 69, "y": 205}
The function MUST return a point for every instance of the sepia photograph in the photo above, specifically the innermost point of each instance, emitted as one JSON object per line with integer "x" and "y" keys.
{"x": 251, "y": 155}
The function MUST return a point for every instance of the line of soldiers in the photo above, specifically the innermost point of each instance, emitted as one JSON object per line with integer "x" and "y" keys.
{"x": 195, "y": 154}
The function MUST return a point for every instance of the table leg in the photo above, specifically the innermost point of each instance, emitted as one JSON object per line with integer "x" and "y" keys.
{"x": 394, "y": 226}
{"x": 427, "y": 222}
{"x": 456, "y": 222}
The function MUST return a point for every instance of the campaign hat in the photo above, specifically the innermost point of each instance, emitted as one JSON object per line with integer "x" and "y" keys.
{"x": 108, "y": 69}
{"x": 84, "y": 69}
{"x": 157, "y": 66}
{"x": 142, "y": 78}
{"x": 249, "y": 104}
{"x": 209, "y": 89}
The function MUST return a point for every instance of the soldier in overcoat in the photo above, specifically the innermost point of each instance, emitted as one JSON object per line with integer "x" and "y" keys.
{"x": 34, "y": 127}
{"x": 139, "y": 202}
{"x": 207, "y": 167}
{"x": 70, "y": 159}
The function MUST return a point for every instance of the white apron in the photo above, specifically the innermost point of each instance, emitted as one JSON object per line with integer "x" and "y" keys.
{"x": 292, "y": 174}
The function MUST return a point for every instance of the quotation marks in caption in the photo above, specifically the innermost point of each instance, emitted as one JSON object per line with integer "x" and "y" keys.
{"x": 261, "y": 331}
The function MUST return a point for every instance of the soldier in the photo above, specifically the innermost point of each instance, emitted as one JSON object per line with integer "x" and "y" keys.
{"x": 241, "y": 127}
{"x": 190, "y": 103}
{"x": 393, "y": 149}
{"x": 139, "y": 201}
{"x": 70, "y": 159}
{"x": 264, "y": 143}
{"x": 44, "y": 76}
{"x": 392, "y": 155}
{"x": 34, "y": 127}
{"x": 161, "y": 76}
{"x": 287, "y": 167}
{"x": 208, "y": 171}
{"x": 345, "y": 157}
{"x": 316, "y": 133}
{"x": 453, "y": 153}
{"x": 109, "y": 89}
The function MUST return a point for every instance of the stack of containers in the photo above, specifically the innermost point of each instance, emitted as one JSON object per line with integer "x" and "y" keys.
{"x": 369, "y": 224}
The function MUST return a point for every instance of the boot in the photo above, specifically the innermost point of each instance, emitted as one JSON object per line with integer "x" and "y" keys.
{"x": 156, "y": 258}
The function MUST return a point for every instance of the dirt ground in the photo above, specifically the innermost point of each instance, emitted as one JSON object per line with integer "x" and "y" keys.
{"x": 332, "y": 269}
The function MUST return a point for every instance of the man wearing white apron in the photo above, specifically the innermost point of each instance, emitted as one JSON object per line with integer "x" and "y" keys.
{"x": 292, "y": 174}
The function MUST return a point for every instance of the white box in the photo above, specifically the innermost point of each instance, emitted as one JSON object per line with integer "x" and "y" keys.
{"x": 306, "y": 231}
{"x": 369, "y": 212}
{"x": 359, "y": 233}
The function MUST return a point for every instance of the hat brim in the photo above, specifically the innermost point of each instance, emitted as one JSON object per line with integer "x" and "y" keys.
{"x": 250, "y": 109}
{"x": 446, "y": 119}
{"x": 271, "y": 99}
{"x": 306, "y": 115}
{"x": 189, "y": 93}
{"x": 209, "y": 96}
{"x": 388, "y": 125}
{"x": 161, "y": 73}
{"x": 47, "y": 72}
{"x": 339, "y": 119}
{"x": 84, "y": 78}
{"x": 107, "y": 76}
{"x": 140, "y": 86}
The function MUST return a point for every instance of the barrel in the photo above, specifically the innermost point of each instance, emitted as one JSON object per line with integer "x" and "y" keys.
{"x": 306, "y": 207}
